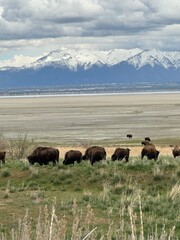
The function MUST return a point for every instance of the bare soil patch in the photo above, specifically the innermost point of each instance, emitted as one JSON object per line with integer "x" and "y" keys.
{"x": 135, "y": 150}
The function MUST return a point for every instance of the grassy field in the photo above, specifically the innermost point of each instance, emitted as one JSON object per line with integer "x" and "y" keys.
{"x": 137, "y": 200}
{"x": 114, "y": 200}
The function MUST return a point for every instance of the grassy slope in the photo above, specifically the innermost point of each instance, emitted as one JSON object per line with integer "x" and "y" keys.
{"x": 109, "y": 187}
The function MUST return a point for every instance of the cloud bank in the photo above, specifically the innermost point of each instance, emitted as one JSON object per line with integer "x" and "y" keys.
{"x": 35, "y": 26}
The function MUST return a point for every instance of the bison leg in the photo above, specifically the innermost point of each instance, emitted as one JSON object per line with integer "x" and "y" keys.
{"x": 78, "y": 160}
{"x": 92, "y": 161}
{"x": 127, "y": 159}
{"x": 54, "y": 162}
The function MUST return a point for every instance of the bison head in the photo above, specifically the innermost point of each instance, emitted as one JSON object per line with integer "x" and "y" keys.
{"x": 147, "y": 139}
{"x": 31, "y": 159}
{"x": 114, "y": 157}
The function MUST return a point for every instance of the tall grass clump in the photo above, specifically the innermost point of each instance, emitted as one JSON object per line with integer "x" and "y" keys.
{"x": 158, "y": 174}
{"x": 174, "y": 194}
{"x": 51, "y": 226}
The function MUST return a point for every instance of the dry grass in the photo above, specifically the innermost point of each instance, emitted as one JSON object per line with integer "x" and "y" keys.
{"x": 175, "y": 192}
{"x": 135, "y": 150}
{"x": 50, "y": 226}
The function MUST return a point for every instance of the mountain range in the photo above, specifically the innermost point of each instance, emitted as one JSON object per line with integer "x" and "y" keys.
{"x": 65, "y": 67}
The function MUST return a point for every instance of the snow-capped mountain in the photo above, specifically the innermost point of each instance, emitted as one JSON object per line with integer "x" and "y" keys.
{"x": 74, "y": 58}
{"x": 152, "y": 57}
{"x": 81, "y": 66}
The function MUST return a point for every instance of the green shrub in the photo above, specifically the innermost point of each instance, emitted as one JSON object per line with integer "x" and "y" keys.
{"x": 118, "y": 179}
{"x": 5, "y": 173}
{"x": 118, "y": 190}
{"x": 158, "y": 177}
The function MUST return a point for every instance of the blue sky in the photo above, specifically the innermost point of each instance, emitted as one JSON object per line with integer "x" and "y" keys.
{"x": 32, "y": 28}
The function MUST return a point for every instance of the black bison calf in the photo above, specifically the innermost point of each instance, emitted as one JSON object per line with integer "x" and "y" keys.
{"x": 121, "y": 153}
{"x": 147, "y": 139}
{"x": 72, "y": 156}
{"x": 129, "y": 135}
{"x": 44, "y": 155}
{"x": 94, "y": 154}
{"x": 176, "y": 151}
{"x": 2, "y": 157}
{"x": 150, "y": 152}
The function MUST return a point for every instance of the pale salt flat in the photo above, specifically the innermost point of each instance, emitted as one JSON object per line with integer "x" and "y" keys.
{"x": 105, "y": 118}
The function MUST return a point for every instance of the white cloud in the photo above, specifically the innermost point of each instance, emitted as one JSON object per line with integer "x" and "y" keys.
{"x": 56, "y": 18}
{"x": 43, "y": 25}
{"x": 18, "y": 61}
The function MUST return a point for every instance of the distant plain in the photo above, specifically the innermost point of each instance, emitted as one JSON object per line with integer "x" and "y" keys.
{"x": 72, "y": 120}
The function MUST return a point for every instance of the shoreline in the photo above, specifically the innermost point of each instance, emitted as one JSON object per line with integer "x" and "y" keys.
{"x": 90, "y": 94}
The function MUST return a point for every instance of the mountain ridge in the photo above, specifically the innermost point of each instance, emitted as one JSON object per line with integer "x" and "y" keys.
{"x": 81, "y": 66}
{"x": 72, "y": 58}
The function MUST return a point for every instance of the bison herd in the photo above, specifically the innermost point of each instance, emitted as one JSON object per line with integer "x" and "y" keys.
{"x": 45, "y": 155}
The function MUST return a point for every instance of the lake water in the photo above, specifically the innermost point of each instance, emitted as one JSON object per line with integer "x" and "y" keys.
{"x": 133, "y": 88}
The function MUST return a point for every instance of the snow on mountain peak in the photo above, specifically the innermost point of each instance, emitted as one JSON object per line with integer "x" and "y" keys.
{"x": 72, "y": 58}
{"x": 152, "y": 57}
{"x": 86, "y": 58}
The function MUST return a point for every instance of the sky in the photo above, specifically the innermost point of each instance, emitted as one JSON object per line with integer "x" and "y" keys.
{"x": 30, "y": 29}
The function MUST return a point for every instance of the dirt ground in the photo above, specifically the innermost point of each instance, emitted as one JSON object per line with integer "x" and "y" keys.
{"x": 135, "y": 151}
{"x": 69, "y": 120}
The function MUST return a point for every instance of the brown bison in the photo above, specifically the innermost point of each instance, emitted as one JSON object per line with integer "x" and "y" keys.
{"x": 146, "y": 142}
{"x": 44, "y": 155}
{"x": 72, "y": 156}
{"x": 150, "y": 152}
{"x": 176, "y": 151}
{"x": 121, "y": 153}
{"x": 129, "y": 135}
{"x": 2, "y": 157}
{"x": 94, "y": 154}
{"x": 147, "y": 139}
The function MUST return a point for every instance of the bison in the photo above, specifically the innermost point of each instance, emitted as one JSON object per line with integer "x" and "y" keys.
{"x": 94, "y": 154}
{"x": 121, "y": 153}
{"x": 147, "y": 139}
{"x": 146, "y": 142}
{"x": 72, "y": 156}
{"x": 129, "y": 136}
{"x": 44, "y": 155}
{"x": 150, "y": 152}
{"x": 2, "y": 157}
{"x": 176, "y": 151}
